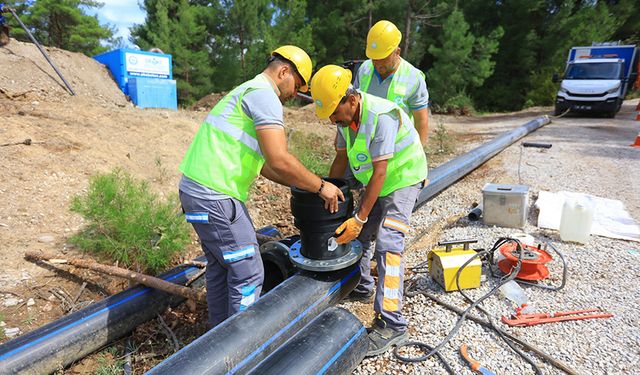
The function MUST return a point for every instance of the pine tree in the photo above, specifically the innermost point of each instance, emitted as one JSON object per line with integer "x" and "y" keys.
{"x": 179, "y": 29}
{"x": 462, "y": 61}
{"x": 63, "y": 24}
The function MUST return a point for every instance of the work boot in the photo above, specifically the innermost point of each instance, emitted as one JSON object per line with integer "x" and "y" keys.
{"x": 381, "y": 338}
{"x": 356, "y": 296}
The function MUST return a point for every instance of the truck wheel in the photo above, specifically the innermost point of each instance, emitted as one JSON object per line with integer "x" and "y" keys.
{"x": 610, "y": 114}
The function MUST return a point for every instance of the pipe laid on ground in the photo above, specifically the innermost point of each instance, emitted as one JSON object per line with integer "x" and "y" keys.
{"x": 72, "y": 337}
{"x": 242, "y": 341}
{"x": 445, "y": 175}
{"x": 333, "y": 343}
{"x": 476, "y": 213}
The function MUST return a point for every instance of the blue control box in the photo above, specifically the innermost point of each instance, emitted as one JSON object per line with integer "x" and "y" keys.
{"x": 142, "y": 71}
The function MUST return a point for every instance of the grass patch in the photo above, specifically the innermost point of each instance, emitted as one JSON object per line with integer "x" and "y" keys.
{"x": 108, "y": 363}
{"x": 130, "y": 224}
{"x": 313, "y": 151}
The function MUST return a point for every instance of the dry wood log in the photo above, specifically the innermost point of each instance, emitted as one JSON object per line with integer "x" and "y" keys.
{"x": 143, "y": 279}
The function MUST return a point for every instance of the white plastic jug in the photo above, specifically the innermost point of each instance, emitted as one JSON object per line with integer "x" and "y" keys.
{"x": 513, "y": 292}
{"x": 576, "y": 221}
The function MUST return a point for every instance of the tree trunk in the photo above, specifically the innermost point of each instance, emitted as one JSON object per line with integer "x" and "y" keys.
{"x": 241, "y": 37}
{"x": 407, "y": 30}
{"x": 143, "y": 279}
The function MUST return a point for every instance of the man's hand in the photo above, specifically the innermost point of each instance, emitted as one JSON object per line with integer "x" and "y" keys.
{"x": 330, "y": 194}
{"x": 348, "y": 231}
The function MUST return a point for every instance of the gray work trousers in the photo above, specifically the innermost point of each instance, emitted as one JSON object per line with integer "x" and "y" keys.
{"x": 387, "y": 225}
{"x": 235, "y": 272}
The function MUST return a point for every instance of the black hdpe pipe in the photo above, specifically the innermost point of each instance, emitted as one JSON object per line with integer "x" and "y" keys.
{"x": 72, "y": 337}
{"x": 476, "y": 213}
{"x": 333, "y": 343}
{"x": 245, "y": 339}
{"x": 445, "y": 175}
{"x": 317, "y": 225}
{"x": 275, "y": 259}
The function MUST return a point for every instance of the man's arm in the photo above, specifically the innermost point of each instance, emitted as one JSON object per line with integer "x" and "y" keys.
{"x": 289, "y": 171}
{"x": 421, "y": 122}
{"x": 339, "y": 165}
{"x": 268, "y": 173}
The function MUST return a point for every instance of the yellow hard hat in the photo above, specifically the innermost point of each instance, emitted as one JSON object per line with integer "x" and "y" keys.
{"x": 383, "y": 38}
{"x": 328, "y": 87}
{"x": 300, "y": 59}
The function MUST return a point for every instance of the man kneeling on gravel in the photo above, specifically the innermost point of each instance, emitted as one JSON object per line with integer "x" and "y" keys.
{"x": 383, "y": 150}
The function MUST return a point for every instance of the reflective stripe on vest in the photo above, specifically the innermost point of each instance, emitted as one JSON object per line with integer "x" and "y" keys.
{"x": 402, "y": 81}
{"x": 225, "y": 155}
{"x": 407, "y": 167}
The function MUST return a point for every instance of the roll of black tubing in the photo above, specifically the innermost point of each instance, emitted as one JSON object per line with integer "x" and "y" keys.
{"x": 242, "y": 341}
{"x": 333, "y": 343}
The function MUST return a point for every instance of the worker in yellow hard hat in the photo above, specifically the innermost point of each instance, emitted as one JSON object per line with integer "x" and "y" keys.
{"x": 379, "y": 143}
{"x": 243, "y": 136}
{"x": 389, "y": 76}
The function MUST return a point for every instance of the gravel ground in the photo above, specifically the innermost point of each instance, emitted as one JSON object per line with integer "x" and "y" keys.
{"x": 589, "y": 155}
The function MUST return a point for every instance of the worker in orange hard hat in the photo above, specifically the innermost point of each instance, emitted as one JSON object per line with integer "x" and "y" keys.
{"x": 389, "y": 76}
{"x": 243, "y": 136}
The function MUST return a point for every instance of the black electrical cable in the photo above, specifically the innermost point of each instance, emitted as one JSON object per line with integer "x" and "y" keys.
{"x": 420, "y": 268}
{"x": 490, "y": 318}
{"x": 461, "y": 320}
{"x": 499, "y": 243}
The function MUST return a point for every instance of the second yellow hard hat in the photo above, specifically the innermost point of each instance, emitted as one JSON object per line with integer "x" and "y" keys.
{"x": 382, "y": 39}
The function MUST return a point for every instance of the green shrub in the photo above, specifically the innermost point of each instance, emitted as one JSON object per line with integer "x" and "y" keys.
{"x": 460, "y": 104}
{"x": 130, "y": 224}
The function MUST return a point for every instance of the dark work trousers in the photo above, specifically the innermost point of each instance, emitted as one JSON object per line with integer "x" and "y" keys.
{"x": 387, "y": 225}
{"x": 234, "y": 273}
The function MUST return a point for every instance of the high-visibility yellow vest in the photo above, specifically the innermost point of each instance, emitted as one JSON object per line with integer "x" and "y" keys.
{"x": 402, "y": 81}
{"x": 407, "y": 167}
{"x": 225, "y": 154}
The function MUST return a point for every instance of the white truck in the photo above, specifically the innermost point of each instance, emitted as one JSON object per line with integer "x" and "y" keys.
{"x": 596, "y": 79}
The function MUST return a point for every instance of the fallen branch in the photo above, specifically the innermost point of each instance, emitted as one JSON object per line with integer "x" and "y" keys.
{"x": 27, "y": 142}
{"x": 143, "y": 279}
{"x": 74, "y": 300}
{"x": 174, "y": 340}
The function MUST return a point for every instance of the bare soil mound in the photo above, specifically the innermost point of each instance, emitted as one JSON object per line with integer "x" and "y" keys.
{"x": 26, "y": 75}
{"x": 207, "y": 102}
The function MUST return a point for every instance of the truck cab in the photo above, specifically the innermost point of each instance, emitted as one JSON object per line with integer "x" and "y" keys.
{"x": 596, "y": 79}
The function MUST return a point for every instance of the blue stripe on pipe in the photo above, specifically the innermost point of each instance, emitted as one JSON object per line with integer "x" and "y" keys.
{"x": 339, "y": 353}
{"x": 295, "y": 320}
{"x": 79, "y": 321}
